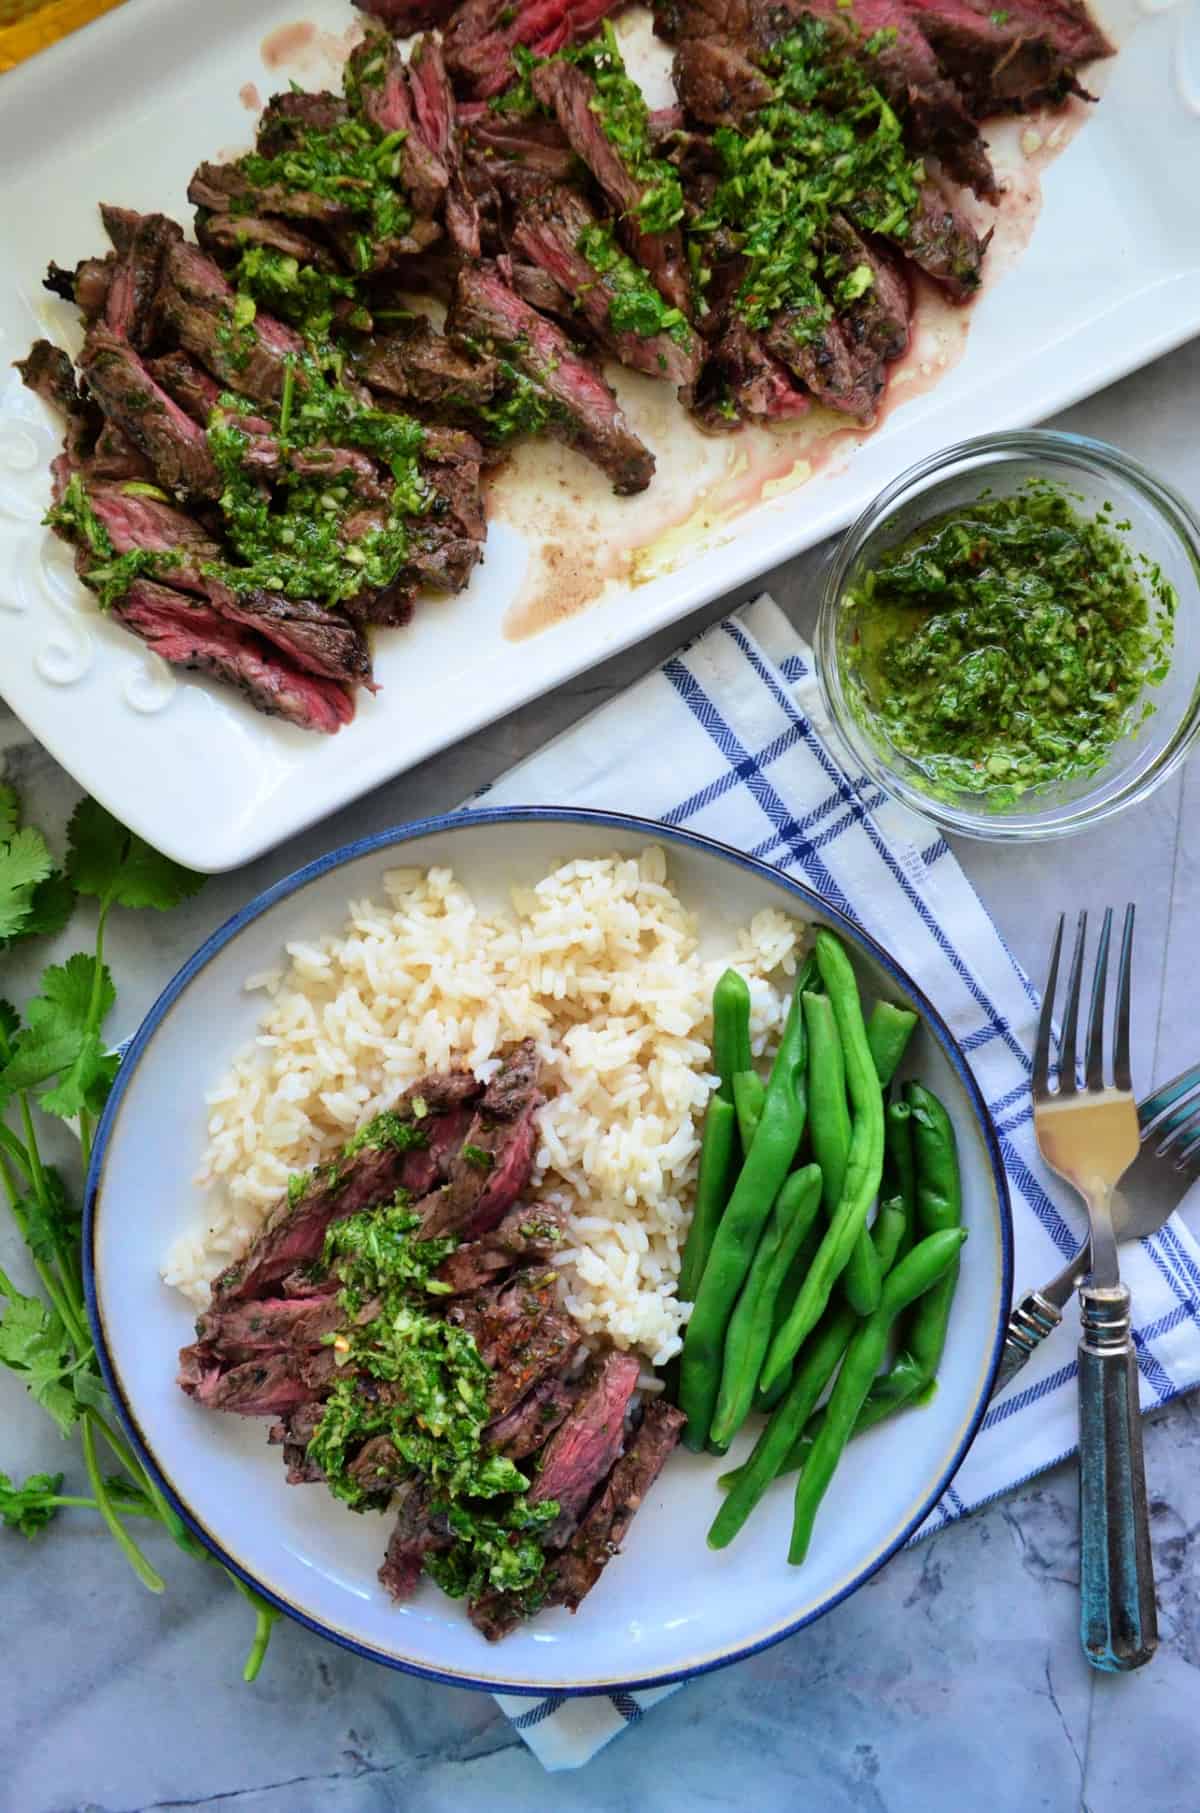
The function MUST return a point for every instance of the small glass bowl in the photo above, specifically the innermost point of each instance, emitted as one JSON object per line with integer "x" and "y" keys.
{"x": 1163, "y": 528}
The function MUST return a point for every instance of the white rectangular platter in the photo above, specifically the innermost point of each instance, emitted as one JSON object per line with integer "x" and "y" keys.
{"x": 123, "y": 111}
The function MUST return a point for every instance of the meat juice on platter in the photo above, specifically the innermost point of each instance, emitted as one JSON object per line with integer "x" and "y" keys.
{"x": 271, "y": 449}
{"x": 496, "y": 1308}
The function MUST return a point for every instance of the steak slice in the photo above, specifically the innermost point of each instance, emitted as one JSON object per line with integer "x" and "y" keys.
{"x": 288, "y": 117}
{"x": 586, "y": 415}
{"x": 115, "y": 457}
{"x": 418, "y": 1530}
{"x": 271, "y": 1385}
{"x": 520, "y": 1332}
{"x": 226, "y": 236}
{"x": 534, "y": 1418}
{"x": 198, "y": 304}
{"x": 493, "y": 1166}
{"x": 293, "y": 1233}
{"x": 402, "y": 17}
{"x": 547, "y": 232}
{"x": 294, "y": 1434}
{"x": 828, "y": 364}
{"x": 717, "y": 83}
{"x": 602, "y": 1530}
{"x": 877, "y": 322}
{"x": 194, "y": 389}
{"x": 942, "y": 242}
{"x": 143, "y": 240}
{"x": 433, "y": 100}
{"x": 379, "y": 1466}
{"x": 606, "y": 1525}
{"x": 422, "y": 366}
{"x": 86, "y": 286}
{"x": 584, "y": 1447}
{"x": 1020, "y": 56}
{"x": 192, "y": 634}
{"x": 536, "y": 146}
{"x": 144, "y": 522}
{"x": 47, "y": 371}
{"x": 225, "y": 188}
{"x": 242, "y": 1330}
{"x": 527, "y": 1232}
{"x": 742, "y": 381}
{"x": 377, "y": 84}
{"x": 319, "y": 641}
{"x": 172, "y": 442}
{"x": 571, "y": 95}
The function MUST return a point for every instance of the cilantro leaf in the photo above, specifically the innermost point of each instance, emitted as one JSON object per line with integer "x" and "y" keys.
{"x": 34, "y": 1344}
{"x": 55, "y": 1225}
{"x": 106, "y": 860}
{"x": 24, "y": 861}
{"x": 50, "y": 907}
{"x": 10, "y": 1021}
{"x": 58, "y": 1040}
{"x": 29, "y": 1507}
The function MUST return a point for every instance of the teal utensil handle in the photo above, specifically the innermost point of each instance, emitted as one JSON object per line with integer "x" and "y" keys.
{"x": 1118, "y": 1619}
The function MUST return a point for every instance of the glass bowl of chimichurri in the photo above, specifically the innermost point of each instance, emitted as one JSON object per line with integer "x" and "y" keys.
{"x": 1009, "y": 638}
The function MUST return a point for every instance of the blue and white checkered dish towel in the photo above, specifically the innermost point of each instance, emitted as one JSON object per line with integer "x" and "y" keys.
{"x": 729, "y": 738}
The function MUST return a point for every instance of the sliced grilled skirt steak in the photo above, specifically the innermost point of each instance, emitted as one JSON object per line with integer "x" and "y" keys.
{"x": 492, "y": 1168}
{"x": 586, "y": 414}
{"x": 172, "y": 442}
{"x": 198, "y": 304}
{"x": 190, "y": 633}
{"x": 584, "y": 1447}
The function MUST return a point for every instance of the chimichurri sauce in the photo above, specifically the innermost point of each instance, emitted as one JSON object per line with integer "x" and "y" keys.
{"x": 1005, "y": 645}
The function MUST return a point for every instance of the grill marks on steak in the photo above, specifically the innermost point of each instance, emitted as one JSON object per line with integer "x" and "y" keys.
{"x": 547, "y": 233}
{"x": 586, "y": 412}
{"x": 525, "y": 1233}
{"x": 571, "y": 96}
{"x": 717, "y": 83}
{"x": 424, "y": 368}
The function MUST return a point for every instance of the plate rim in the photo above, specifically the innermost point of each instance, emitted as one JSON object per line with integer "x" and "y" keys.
{"x": 396, "y": 837}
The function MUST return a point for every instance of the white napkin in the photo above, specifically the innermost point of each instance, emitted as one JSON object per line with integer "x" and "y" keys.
{"x": 729, "y": 738}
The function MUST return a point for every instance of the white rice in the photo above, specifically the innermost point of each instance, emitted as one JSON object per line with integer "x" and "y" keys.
{"x": 600, "y": 964}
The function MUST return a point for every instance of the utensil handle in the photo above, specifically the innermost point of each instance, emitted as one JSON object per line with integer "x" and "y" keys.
{"x": 1119, "y": 1619}
{"x": 1031, "y": 1321}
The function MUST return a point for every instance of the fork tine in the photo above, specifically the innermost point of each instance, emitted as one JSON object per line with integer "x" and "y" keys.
{"x": 1067, "y": 1081}
{"x": 1041, "y": 1052}
{"x": 1188, "y": 1153}
{"x": 1094, "y": 1049}
{"x": 1122, "y": 1071}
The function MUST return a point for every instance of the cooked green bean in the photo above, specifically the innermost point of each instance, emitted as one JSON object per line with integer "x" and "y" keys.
{"x": 829, "y": 1131}
{"x": 789, "y": 1290}
{"x": 912, "y": 1278}
{"x": 713, "y": 1184}
{"x": 813, "y": 1371}
{"x": 761, "y": 1178}
{"x": 731, "y": 1029}
{"x": 889, "y": 1230}
{"x": 899, "y": 1167}
{"x": 888, "y": 1031}
{"x": 863, "y": 1168}
{"x": 749, "y": 1093}
{"x": 750, "y": 1325}
{"x": 939, "y": 1207}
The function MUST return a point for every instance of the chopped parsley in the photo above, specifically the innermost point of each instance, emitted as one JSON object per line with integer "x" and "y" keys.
{"x": 296, "y": 292}
{"x": 634, "y": 305}
{"x": 384, "y": 1131}
{"x": 521, "y": 407}
{"x": 1006, "y": 644}
{"x": 477, "y": 1156}
{"x": 351, "y": 163}
{"x": 621, "y": 109}
{"x": 826, "y": 143}
{"x": 109, "y": 574}
{"x": 295, "y": 542}
{"x": 410, "y": 1375}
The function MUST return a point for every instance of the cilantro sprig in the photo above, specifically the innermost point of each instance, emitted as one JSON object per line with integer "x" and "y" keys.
{"x": 54, "y": 1061}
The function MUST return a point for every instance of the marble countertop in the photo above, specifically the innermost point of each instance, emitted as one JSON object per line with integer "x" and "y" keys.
{"x": 952, "y": 1678}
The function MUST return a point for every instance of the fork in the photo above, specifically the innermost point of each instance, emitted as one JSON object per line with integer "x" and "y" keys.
{"x": 1090, "y": 1138}
{"x": 1169, "y": 1125}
